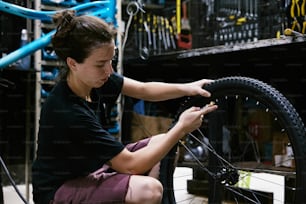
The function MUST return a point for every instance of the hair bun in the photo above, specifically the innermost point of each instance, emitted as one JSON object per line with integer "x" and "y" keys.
{"x": 64, "y": 17}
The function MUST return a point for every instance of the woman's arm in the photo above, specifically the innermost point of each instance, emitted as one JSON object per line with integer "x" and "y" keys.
{"x": 144, "y": 159}
{"x": 159, "y": 91}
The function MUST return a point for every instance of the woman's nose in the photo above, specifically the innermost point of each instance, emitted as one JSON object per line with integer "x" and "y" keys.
{"x": 110, "y": 69}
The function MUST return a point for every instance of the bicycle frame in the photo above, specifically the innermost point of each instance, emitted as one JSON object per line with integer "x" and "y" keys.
{"x": 104, "y": 9}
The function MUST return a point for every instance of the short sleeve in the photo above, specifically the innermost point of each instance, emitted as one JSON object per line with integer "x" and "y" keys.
{"x": 112, "y": 88}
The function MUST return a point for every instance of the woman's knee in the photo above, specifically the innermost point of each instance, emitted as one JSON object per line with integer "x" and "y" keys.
{"x": 153, "y": 191}
{"x": 144, "y": 189}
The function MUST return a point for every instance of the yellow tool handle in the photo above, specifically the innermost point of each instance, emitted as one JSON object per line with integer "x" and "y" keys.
{"x": 295, "y": 7}
{"x": 303, "y": 8}
{"x": 178, "y": 16}
{"x": 304, "y": 27}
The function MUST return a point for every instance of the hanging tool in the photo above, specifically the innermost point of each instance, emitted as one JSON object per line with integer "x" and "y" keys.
{"x": 161, "y": 22}
{"x": 143, "y": 48}
{"x": 160, "y": 35}
{"x": 167, "y": 28}
{"x": 140, "y": 33}
{"x": 132, "y": 10}
{"x": 136, "y": 30}
{"x": 295, "y": 13}
{"x": 185, "y": 37}
{"x": 290, "y": 32}
{"x": 173, "y": 31}
{"x": 154, "y": 29}
{"x": 303, "y": 13}
{"x": 172, "y": 34}
{"x": 178, "y": 17}
{"x": 148, "y": 29}
{"x": 173, "y": 44}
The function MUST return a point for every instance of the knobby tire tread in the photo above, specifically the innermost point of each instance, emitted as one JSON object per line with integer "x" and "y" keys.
{"x": 277, "y": 103}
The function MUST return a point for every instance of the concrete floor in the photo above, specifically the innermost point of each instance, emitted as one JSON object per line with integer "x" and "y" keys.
{"x": 11, "y": 197}
{"x": 181, "y": 175}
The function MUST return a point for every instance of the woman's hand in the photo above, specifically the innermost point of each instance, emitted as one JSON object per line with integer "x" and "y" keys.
{"x": 192, "y": 118}
{"x": 197, "y": 88}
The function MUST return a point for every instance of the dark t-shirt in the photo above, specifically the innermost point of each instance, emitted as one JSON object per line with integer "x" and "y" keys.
{"x": 71, "y": 140}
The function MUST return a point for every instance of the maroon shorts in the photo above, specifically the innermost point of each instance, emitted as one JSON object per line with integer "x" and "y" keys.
{"x": 98, "y": 187}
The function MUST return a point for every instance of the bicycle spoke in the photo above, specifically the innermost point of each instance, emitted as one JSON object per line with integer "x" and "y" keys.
{"x": 231, "y": 149}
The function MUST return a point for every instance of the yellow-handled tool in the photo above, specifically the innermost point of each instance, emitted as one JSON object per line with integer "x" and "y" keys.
{"x": 303, "y": 10}
{"x": 295, "y": 12}
{"x": 178, "y": 17}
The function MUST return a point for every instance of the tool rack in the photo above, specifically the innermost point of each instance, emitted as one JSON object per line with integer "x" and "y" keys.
{"x": 210, "y": 23}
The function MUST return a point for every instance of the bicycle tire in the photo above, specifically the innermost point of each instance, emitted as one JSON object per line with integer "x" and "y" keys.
{"x": 269, "y": 98}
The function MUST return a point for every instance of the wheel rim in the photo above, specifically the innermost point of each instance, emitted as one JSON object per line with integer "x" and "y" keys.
{"x": 239, "y": 99}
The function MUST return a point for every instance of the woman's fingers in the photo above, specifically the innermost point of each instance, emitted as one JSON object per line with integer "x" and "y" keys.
{"x": 192, "y": 118}
{"x": 209, "y": 108}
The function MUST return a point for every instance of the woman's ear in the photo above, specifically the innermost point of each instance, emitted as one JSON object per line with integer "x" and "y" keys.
{"x": 71, "y": 63}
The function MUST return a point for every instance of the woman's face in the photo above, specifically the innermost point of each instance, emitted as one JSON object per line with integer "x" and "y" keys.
{"x": 96, "y": 69}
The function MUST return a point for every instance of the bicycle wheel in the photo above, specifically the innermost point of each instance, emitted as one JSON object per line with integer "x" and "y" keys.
{"x": 256, "y": 143}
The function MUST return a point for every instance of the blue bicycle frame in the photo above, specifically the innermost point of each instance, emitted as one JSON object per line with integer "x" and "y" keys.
{"x": 103, "y": 9}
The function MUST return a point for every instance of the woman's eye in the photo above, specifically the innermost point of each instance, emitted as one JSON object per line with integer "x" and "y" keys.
{"x": 101, "y": 65}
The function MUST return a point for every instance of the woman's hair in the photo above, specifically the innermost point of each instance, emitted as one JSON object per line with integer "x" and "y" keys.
{"x": 77, "y": 36}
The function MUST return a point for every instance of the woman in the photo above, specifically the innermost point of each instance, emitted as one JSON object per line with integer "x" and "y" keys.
{"x": 78, "y": 161}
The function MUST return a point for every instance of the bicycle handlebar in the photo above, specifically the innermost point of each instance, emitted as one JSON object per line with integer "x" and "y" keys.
{"x": 47, "y": 15}
{"x": 96, "y": 8}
